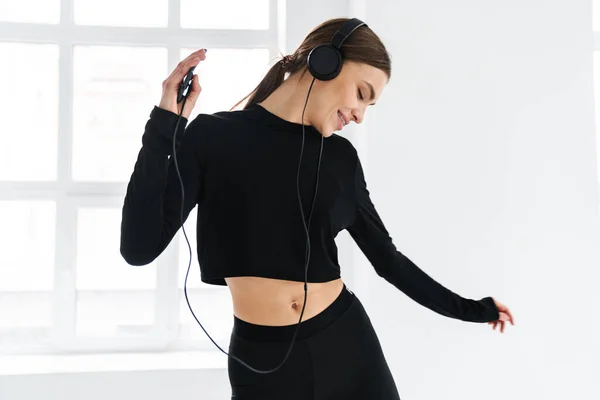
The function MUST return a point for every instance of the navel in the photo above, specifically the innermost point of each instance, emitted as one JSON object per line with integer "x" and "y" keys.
{"x": 296, "y": 305}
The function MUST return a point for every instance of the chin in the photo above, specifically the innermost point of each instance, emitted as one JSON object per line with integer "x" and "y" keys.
{"x": 326, "y": 131}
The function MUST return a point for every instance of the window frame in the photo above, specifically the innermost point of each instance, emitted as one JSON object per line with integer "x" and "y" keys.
{"x": 70, "y": 195}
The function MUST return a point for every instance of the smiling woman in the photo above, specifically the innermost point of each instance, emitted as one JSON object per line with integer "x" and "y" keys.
{"x": 265, "y": 229}
{"x": 364, "y": 73}
{"x": 336, "y": 103}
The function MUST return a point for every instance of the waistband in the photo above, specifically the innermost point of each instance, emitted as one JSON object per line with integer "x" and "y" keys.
{"x": 308, "y": 328}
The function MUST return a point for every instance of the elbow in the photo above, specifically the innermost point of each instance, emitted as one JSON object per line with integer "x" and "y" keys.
{"x": 134, "y": 248}
{"x": 136, "y": 257}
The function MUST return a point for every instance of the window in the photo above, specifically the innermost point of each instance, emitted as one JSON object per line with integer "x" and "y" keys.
{"x": 79, "y": 81}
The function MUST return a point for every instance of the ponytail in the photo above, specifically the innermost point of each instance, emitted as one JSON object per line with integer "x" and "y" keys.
{"x": 364, "y": 46}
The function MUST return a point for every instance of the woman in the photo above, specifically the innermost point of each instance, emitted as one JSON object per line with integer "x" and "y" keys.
{"x": 240, "y": 168}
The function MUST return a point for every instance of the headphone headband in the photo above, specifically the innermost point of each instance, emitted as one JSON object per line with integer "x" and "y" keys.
{"x": 345, "y": 30}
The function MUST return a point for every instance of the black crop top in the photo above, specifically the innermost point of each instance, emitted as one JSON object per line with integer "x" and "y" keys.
{"x": 240, "y": 167}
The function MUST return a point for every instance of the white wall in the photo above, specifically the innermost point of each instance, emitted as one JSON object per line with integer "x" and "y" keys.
{"x": 482, "y": 163}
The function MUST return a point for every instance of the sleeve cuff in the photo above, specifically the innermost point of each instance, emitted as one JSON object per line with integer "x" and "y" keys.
{"x": 491, "y": 311}
{"x": 160, "y": 129}
{"x": 166, "y": 115}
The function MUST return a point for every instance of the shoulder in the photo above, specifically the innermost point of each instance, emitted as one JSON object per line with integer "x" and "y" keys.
{"x": 216, "y": 119}
{"x": 219, "y": 121}
{"x": 205, "y": 128}
{"x": 343, "y": 142}
{"x": 344, "y": 148}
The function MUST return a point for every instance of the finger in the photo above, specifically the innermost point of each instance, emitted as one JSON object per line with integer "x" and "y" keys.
{"x": 180, "y": 65}
{"x": 183, "y": 70}
{"x": 195, "y": 88}
{"x": 184, "y": 65}
{"x": 197, "y": 56}
{"x": 186, "y": 61}
{"x": 194, "y": 54}
{"x": 511, "y": 317}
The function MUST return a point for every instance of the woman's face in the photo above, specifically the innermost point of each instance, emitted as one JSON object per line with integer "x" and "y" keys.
{"x": 350, "y": 93}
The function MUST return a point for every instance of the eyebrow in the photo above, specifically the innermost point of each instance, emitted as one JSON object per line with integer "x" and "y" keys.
{"x": 372, "y": 91}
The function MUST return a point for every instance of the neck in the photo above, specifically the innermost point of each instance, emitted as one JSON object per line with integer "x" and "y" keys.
{"x": 287, "y": 101}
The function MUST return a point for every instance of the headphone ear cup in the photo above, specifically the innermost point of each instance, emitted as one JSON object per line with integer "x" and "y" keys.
{"x": 324, "y": 62}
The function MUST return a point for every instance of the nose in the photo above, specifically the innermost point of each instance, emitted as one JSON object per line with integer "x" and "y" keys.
{"x": 358, "y": 116}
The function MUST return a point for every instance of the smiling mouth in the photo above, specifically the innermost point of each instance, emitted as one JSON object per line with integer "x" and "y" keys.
{"x": 342, "y": 118}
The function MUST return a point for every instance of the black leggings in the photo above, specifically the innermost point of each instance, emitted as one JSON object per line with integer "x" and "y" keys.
{"x": 336, "y": 355}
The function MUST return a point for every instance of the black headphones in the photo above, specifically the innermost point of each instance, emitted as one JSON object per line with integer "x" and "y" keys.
{"x": 324, "y": 63}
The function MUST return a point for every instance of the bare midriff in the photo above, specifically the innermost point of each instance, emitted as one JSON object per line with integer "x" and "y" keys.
{"x": 277, "y": 302}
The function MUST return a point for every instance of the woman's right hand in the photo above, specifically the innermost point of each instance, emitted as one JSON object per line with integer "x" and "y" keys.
{"x": 171, "y": 85}
{"x": 504, "y": 316}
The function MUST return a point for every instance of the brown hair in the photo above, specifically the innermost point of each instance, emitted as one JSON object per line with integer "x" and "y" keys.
{"x": 363, "y": 46}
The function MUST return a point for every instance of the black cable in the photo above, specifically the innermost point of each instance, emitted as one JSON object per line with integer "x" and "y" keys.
{"x": 303, "y": 222}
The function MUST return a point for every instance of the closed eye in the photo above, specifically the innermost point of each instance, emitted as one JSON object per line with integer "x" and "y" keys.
{"x": 372, "y": 91}
{"x": 360, "y": 96}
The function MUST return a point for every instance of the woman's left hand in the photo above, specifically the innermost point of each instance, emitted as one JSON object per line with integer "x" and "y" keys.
{"x": 505, "y": 316}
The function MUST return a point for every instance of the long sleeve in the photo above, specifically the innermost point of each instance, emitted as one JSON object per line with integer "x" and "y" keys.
{"x": 151, "y": 213}
{"x": 370, "y": 234}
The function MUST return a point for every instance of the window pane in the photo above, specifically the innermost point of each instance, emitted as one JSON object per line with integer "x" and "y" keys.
{"x": 31, "y": 11}
{"x": 223, "y": 82}
{"x": 25, "y": 317}
{"x": 27, "y": 237}
{"x": 109, "y": 299}
{"x": 26, "y": 271}
{"x": 145, "y": 13}
{"x": 214, "y": 310}
{"x": 29, "y": 111}
{"x": 100, "y": 265}
{"x": 225, "y": 14}
{"x": 115, "y": 313}
{"x": 115, "y": 88}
